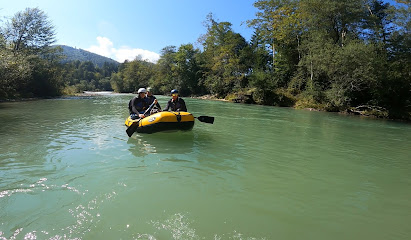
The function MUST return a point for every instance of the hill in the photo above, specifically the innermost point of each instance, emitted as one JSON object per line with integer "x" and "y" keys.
{"x": 74, "y": 54}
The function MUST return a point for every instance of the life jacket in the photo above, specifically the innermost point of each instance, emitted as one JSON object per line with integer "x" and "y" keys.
{"x": 179, "y": 105}
{"x": 138, "y": 105}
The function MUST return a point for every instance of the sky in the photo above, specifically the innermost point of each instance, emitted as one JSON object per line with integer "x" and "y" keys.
{"x": 124, "y": 29}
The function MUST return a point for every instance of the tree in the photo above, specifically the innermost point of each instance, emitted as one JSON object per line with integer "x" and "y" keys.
{"x": 116, "y": 82}
{"x": 137, "y": 74}
{"x": 45, "y": 80}
{"x": 336, "y": 69}
{"x": 28, "y": 66}
{"x": 337, "y": 20}
{"x": 14, "y": 72}
{"x": 395, "y": 91}
{"x": 187, "y": 69}
{"x": 164, "y": 79}
{"x": 2, "y": 40}
{"x": 223, "y": 48}
{"x": 378, "y": 22}
{"x": 29, "y": 31}
{"x": 260, "y": 58}
{"x": 278, "y": 22}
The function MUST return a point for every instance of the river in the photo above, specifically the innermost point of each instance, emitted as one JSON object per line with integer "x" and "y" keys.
{"x": 68, "y": 170}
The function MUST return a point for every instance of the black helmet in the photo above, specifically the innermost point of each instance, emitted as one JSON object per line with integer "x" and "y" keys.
{"x": 174, "y": 91}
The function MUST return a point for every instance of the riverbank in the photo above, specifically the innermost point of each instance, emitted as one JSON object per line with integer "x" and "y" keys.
{"x": 369, "y": 111}
{"x": 210, "y": 97}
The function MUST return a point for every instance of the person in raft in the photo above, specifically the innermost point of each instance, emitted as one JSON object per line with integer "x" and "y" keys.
{"x": 139, "y": 104}
{"x": 176, "y": 104}
{"x": 151, "y": 98}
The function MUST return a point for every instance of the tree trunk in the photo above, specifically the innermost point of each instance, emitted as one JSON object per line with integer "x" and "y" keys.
{"x": 311, "y": 68}
{"x": 298, "y": 48}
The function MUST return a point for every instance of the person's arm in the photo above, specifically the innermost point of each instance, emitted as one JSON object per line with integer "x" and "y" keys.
{"x": 183, "y": 107}
{"x": 133, "y": 106}
{"x": 168, "y": 106}
{"x": 130, "y": 107}
{"x": 157, "y": 104}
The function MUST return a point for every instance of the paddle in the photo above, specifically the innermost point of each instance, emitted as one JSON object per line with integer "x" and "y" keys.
{"x": 205, "y": 119}
{"x": 130, "y": 130}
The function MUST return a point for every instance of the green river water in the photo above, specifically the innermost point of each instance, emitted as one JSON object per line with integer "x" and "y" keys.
{"x": 69, "y": 171}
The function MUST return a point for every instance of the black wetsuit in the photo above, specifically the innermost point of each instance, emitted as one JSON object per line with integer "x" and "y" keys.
{"x": 138, "y": 105}
{"x": 151, "y": 100}
{"x": 178, "y": 106}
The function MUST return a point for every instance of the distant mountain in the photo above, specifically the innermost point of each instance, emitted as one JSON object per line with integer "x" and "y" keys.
{"x": 74, "y": 54}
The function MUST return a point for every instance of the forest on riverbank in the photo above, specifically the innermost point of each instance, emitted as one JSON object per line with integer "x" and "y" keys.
{"x": 330, "y": 55}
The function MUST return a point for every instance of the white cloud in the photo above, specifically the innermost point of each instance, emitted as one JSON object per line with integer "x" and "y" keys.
{"x": 131, "y": 53}
{"x": 105, "y": 48}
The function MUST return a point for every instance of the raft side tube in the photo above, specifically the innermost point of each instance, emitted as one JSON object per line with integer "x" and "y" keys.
{"x": 163, "y": 121}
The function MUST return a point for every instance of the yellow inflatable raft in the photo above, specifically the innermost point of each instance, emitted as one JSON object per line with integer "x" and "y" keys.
{"x": 162, "y": 121}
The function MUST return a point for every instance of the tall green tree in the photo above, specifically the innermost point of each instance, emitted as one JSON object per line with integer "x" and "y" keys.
{"x": 29, "y": 30}
{"x": 278, "y": 23}
{"x": 116, "y": 82}
{"x": 260, "y": 74}
{"x": 260, "y": 57}
{"x": 378, "y": 21}
{"x": 224, "y": 68}
{"x": 337, "y": 20}
{"x": 335, "y": 52}
{"x": 15, "y": 72}
{"x": 187, "y": 70}
{"x": 164, "y": 79}
{"x": 337, "y": 68}
{"x": 396, "y": 86}
{"x": 28, "y": 67}
{"x": 137, "y": 74}
{"x": 2, "y": 40}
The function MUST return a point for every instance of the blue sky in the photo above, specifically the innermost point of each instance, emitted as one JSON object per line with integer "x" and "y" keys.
{"x": 123, "y": 29}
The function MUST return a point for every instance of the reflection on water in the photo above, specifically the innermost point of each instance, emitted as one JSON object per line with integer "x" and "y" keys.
{"x": 69, "y": 171}
{"x": 174, "y": 142}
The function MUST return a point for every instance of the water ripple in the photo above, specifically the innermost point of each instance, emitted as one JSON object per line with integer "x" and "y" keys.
{"x": 69, "y": 171}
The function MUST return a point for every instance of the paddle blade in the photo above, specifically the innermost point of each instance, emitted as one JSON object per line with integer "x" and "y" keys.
{"x": 206, "y": 119}
{"x": 130, "y": 130}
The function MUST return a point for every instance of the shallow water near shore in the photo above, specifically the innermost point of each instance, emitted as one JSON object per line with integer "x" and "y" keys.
{"x": 68, "y": 170}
